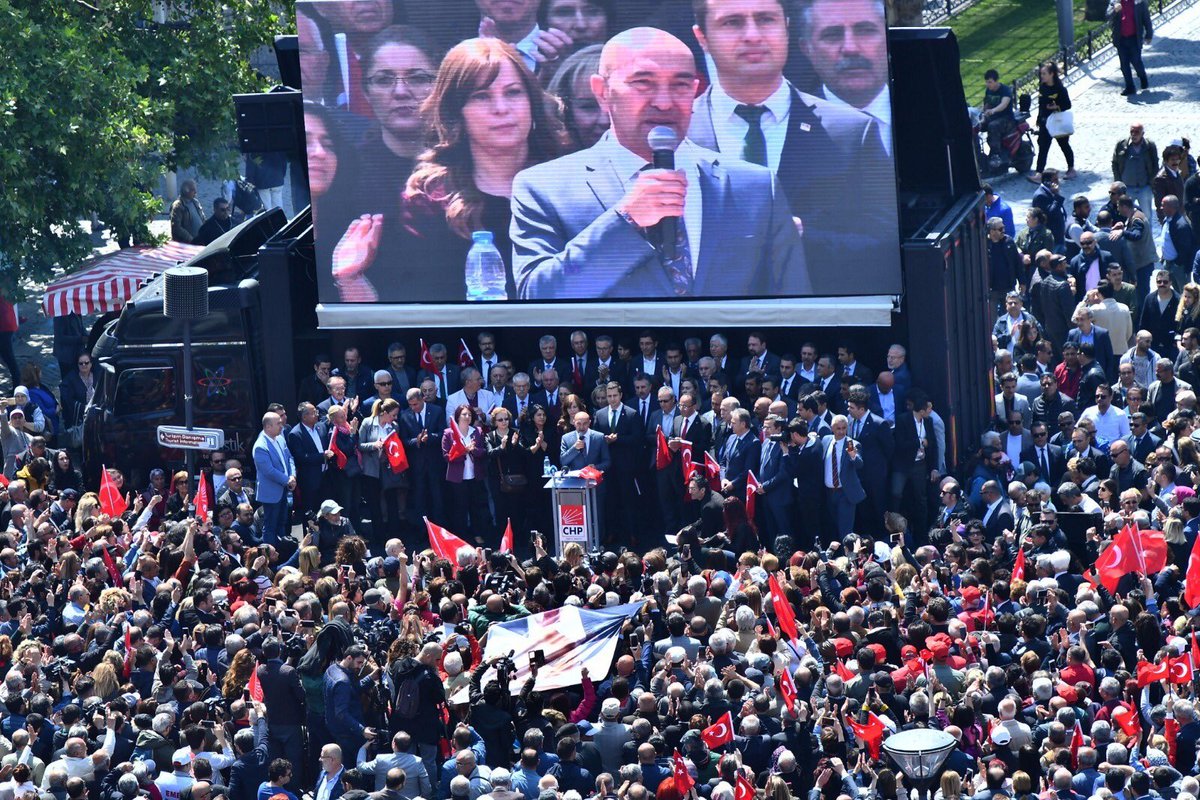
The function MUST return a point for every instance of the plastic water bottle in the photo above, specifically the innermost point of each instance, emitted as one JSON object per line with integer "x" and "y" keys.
{"x": 485, "y": 269}
{"x": 547, "y": 467}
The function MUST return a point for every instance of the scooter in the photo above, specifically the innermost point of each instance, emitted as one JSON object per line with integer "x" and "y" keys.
{"x": 1016, "y": 146}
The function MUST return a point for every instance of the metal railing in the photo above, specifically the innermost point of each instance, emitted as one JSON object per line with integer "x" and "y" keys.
{"x": 938, "y": 11}
{"x": 1092, "y": 44}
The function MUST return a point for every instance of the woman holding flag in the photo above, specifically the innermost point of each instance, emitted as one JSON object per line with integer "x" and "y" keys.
{"x": 466, "y": 453}
{"x": 385, "y": 486}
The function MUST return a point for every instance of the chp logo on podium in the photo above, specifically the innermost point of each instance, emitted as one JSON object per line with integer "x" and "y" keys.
{"x": 572, "y": 523}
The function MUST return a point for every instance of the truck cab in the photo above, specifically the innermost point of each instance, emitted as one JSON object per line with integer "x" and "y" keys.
{"x": 139, "y": 357}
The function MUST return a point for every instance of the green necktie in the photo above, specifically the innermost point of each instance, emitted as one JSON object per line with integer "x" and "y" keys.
{"x": 754, "y": 148}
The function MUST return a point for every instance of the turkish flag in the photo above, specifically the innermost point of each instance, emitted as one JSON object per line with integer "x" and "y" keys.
{"x": 111, "y": 501}
{"x": 1076, "y": 743}
{"x": 254, "y": 687}
{"x": 444, "y": 543}
{"x": 752, "y": 485}
{"x": 127, "y": 667}
{"x": 870, "y": 732}
{"x": 1148, "y": 673}
{"x": 457, "y": 448}
{"x": 1171, "y": 731}
{"x": 719, "y": 733}
{"x": 465, "y": 358}
{"x": 113, "y": 572}
{"x": 1018, "y": 570}
{"x": 689, "y": 467}
{"x": 744, "y": 790}
{"x": 1131, "y": 551}
{"x": 203, "y": 501}
{"x": 662, "y": 453}
{"x": 841, "y": 670}
{"x": 1195, "y": 653}
{"x": 683, "y": 778}
{"x": 506, "y": 541}
{"x": 1181, "y": 670}
{"x": 339, "y": 457}
{"x": 394, "y": 449}
{"x": 783, "y": 610}
{"x": 713, "y": 469}
{"x": 1191, "y": 583}
{"x": 787, "y": 690}
{"x": 1126, "y": 716}
{"x": 426, "y": 358}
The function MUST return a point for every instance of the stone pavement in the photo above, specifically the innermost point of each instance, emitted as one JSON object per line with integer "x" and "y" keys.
{"x": 1169, "y": 110}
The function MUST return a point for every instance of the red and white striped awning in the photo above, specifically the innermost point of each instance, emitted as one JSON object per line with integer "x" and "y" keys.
{"x": 106, "y": 282}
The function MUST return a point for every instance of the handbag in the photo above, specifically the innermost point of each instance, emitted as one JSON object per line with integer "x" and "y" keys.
{"x": 510, "y": 484}
{"x": 1061, "y": 123}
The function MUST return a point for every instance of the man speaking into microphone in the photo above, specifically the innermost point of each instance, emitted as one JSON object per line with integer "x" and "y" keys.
{"x": 606, "y": 222}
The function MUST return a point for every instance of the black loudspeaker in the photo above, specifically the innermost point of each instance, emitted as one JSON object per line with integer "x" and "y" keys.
{"x": 185, "y": 293}
{"x": 272, "y": 122}
{"x": 934, "y": 141}
{"x": 287, "y": 56}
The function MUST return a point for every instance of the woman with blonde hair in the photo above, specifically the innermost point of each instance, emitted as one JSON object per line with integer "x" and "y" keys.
{"x": 87, "y": 508}
{"x": 1188, "y": 313}
{"x": 107, "y": 682}
{"x": 238, "y": 675}
{"x": 951, "y": 786}
{"x": 310, "y": 563}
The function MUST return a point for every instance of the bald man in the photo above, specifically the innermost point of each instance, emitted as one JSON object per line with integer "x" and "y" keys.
{"x": 588, "y": 225}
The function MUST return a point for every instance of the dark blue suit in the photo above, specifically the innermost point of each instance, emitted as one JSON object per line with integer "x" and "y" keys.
{"x": 876, "y": 446}
{"x": 343, "y": 707}
{"x": 250, "y": 770}
{"x": 310, "y": 463}
{"x": 426, "y": 465}
{"x": 826, "y": 145}
{"x": 1104, "y": 349}
{"x": 570, "y": 243}
{"x": 805, "y": 466}
{"x": 625, "y": 453}
{"x": 844, "y": 499}
{"x": 738, "y": 457}
{"x": 778, "y": 492}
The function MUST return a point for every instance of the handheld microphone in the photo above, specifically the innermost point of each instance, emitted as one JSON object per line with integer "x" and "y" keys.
{"x": 663, "y": 141}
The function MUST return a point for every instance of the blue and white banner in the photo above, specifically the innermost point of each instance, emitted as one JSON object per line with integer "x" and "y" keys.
{"x": 570, "y": 638}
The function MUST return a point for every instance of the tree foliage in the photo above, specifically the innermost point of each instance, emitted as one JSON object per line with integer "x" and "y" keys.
{"x": 98, "y": 98}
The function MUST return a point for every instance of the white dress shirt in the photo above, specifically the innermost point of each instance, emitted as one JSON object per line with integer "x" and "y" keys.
{"x": 325, "y": 787}
{"x": 528, "y": 48}
{"x": 880, "y": 109}
{"x": 834, "y": 451}
{"x": 688, "y": 156}
{"x": 730, "y": 129}
{"x": 887, "y": 404}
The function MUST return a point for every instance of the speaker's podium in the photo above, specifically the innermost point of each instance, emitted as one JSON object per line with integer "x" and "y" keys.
{"x": 575, "y": 507}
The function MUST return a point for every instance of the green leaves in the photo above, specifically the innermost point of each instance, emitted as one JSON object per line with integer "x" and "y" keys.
{"x": 95, "y": 103}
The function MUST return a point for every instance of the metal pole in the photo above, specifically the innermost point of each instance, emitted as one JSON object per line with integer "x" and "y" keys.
{"x": 1066, "y": 23}
{"x": 188, "y": 411}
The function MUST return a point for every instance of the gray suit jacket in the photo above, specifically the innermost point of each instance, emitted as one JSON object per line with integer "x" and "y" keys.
{"x": 570, "y": 243}
{"x": 597, "y": 452}
{"x": 847, "y": 468}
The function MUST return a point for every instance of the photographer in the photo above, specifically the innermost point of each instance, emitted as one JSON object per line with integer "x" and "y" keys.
{"x": 491, "y": 711}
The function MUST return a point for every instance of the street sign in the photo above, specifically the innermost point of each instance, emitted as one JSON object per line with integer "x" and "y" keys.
{"x": 195, "y": 439}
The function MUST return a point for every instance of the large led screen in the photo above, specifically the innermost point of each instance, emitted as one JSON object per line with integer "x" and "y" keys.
{"x": 531, "y": 151}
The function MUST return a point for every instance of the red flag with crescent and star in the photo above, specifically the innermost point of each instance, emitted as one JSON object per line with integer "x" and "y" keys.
{"x": 394, "y": 449}
{"x": 752, "y": 485}
{"x": 744, "y": 790}
{"x": 1191, "y": 583}
{"x": 444, "y": 543}
{"x": 662, "y": 453}
{"x": 783, "y": 609}
{"x": 1018, "y": 570}
{"x": 713, "y": 468}
{"x": 719, "y": 733}
{"x": 683, "y": 778}
{"x": 111, "y": 501}
{"x": 426, "y": 358}
{"x": 254, "y": 687}
{"x": 787, "y": 690}
{"x": 203, "y": 501}
{"x": 506, "y": 541}
{"x": 870, "y": 732}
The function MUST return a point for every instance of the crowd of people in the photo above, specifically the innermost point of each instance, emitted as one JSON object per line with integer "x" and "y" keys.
{"x": 812, "y": 570}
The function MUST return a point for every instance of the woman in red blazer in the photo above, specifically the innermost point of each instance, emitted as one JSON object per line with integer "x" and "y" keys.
{"x": 466, "y": 476}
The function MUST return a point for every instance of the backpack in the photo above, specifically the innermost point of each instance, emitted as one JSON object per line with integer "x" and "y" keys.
{"x": 246, "y": 197}
{"x": 407, "y": 702}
